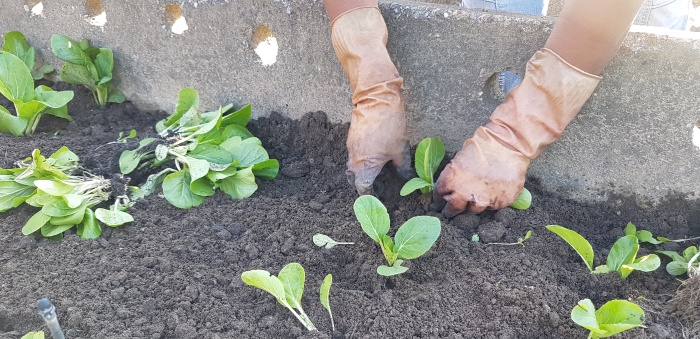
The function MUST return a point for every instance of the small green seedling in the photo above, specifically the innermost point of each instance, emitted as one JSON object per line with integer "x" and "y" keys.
{"x": 475, "y": 238}
{"x": 17, "y": 85}
{"x": 523, "y": 201}
{"x": 415, "y": 237}
{"x": 16, "y": 44}
{"x": 646, "y": 236}
{"x": 322, "y": 240}
{"x": 325, "y": 295}
{"x": 519, "y": 242}
{"x": 687, "y": 263}
{"x": 622, "y": 257}
{"x": 34, "y": 335}
{"x": 121, "y": 139}
{"x": 429, "y": 155}
{"x": 613, "y": 317}
{"x": 210, "y": 151}
{"x": 87, "y": 65}
{"x": 287, "y": 287}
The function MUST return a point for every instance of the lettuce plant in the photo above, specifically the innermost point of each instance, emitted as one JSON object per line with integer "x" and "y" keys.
{"x": 613, "y": 317}
{"x": 429, "y": 154}
{"x": 622, "y": 257}
{"x": 415, "y": 237}
{"x": 16, "y": 44}
{"x": 682, "y": 264}
{"x": 209, "y": 151}
{"x": 17, "y": 85}
{"x": 87, "y": 65}
{"x": 65, "y": 194}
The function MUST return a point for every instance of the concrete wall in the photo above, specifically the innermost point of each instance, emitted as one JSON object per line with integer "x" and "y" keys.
{"x": 634, "y": 135}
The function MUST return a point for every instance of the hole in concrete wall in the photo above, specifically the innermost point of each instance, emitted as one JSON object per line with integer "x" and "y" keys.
{"x": 35, "y": 7}
{"x": 175, "y": 19}
{"x": 498, "y": 85}
{"x": 265, "y": 45}
{"x": 95, "y": 14}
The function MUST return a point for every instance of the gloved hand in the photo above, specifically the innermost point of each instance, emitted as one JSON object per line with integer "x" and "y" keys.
{"x": 378, "y": 126}
{"x": 489, "y": 171}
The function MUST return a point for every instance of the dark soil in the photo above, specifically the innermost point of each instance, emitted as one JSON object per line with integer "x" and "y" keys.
{"x": 176, "y": 273}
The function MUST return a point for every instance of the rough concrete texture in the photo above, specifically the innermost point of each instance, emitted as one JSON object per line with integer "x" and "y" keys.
{"x": 634, "y": 135}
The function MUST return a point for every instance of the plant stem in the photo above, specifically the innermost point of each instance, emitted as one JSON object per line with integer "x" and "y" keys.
{"x": 684, "y": 240}
{"x": 308, "y": 326}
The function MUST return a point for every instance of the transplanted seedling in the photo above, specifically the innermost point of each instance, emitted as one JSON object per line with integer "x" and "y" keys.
{"x": 519, "y": 242}
{"x": 687, "y": 263}
{"x": 622, "y": 257}
{"x": 613, "y": 317}
{"x": 16, "y": 44}
{"x": 429, "y": 155}
{"x": 322, "y": 240}
{"x": 415, "y": 237}
{"x": 325, "y": 296}
{"x": 34, "y": 335}
{"x": 646, "y": 236}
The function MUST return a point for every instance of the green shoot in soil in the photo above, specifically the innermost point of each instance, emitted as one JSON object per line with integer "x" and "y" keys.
{"x": 613, "y": 317}
{"x": 429, "y": 154}
{"x": 16, "y": 44}
{"x": 17, "y": 85}
{"x": 325, "y": 296}
{"x": 87, "y": 65}
{"x": 682, "y": 264}
{"x": 646, "y": 236}
{"x": 287, "y": 287}
{"x": 622, "y": 257}
{"x": 523, "y": 201}
{"x": 322, "y": 240}
{"x": 519, "y": 242}
{"x": 34, "y": 335}
{"x": 415, "y": 237}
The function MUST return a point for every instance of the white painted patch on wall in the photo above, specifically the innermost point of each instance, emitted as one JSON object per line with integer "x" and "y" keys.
{"x": 266, "y": 46}
{"x": 175, "y": 19}
{"x": 696, "y": 135}
{"x": 95, "y": 14}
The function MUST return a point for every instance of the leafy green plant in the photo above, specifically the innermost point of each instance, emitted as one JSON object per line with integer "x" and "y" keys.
{"x": 87, "y": 65}
{"x": 519, "y": 242}
{"x": 287, "y": 287}
{"x": 209, "y": 151}
{"x": 429, "y": 154}
{"x": 16, "y": 44}
{"x": 613, "y": 317}
{"x": 622, "y": 257}
{"x": 646, "y": 236}
{"x": 325, "y": 296}
{"x": 34, "y": 335}
{"x": 524, "y": 200}
{"x": 65, "y": 194}
{"x": 17, "y": 85}
{"x": 322, "y": 240}
{"x": 415, "y": 237}
{"x": 682, "y": 264}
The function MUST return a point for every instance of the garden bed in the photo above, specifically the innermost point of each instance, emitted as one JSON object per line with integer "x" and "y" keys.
{"x": 176, "y": 273}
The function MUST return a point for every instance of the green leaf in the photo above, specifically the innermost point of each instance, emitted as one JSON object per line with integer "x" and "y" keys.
{"x": 198, "y": 167}
{"x": 630, "y": 229}
{"x": 388, "y": 271}
{"x": 429, "y": 154}
{"x": 176, "y": 188}
{"x": 523, "y": 201}
{"x": 54, "y": 187}
{"x": 51, "y": 98}
{"x": 73, "y": 200}
{"x": 130, "y": 159}
{"x": 266, "y": 282}
{"x": 387, "y": 246}
{"x": 293, "y": 277}
{"x": 11, "y": 124}
{"x": 414, "y": 184}
{"x": 644, "y": 236}
{"x": 38, "y": 73}
{"x": 49, "y": 230}
{"x": 77, "y": 75}
{"x": 112, "y": 217}
{"x": 239, "y": 117}
{"x": 674, "y": 256}
{"x": 116, "y": 96}
{"x": 266, "y": 169}
{"x": 69, "y": 50}
{"x": 36, "y": 222}
{"x": 16, "y": 44}
{"x": 236, "y": 131}
{"x": 584, "y": 315}
{"x": 690, "y": 252}
{"x": 186, "y": 99}
{"x": 416, "y": 236}
{"x": 677, "y": 268}
{"x": 104, "y": 62}
{"x": 372, "y": 215}
{"x": 623, "y": 252}
{"x": 89, "y": 228}
{"x": 69, "y": 220}
{"x": 58, "y": 208}
{"x": 249, "y": 155}
{"x": 579, "y": 243}
{"x": 616, "y": 316}
{"x": 646, "y": 263}
{"x": 203, "y": 187}
{"x": 528, "y": 235}
{"x": 215, "y": 176}
{"x": 240, "y": 185}
{"x": 64, "y": 158}
{"x": 16, "y": 82}
{"x": 212, "y": 153}
{"x": 11, "y": 190}
{"x": 602, "y": 269}
{"x": 34, "y": 335}
{"x": 324, "y": 294}
{"x": 150, "y": 185}
{"x": 161, "y": 152}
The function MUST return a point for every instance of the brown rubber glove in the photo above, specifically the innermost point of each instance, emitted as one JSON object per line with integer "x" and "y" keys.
{"x": 378, "y": 126}
{"x": 489, "y": 171}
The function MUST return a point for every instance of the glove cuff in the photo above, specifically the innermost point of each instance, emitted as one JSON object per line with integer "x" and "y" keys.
{"x": 535, "y": 113}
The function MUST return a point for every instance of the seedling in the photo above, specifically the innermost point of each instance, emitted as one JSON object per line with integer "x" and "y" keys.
{"x": 209, "y": 150}
{"x": 287, "y": 288}
{"x": 16, "y": 44}
{"x": 475, "y": 238}
{"x": 519, "y": 242}
{"x": 65, "y": 194}
{"x": 325, "y": 294}
{"x": 415, "y": 237}
{"x": 622, "y": 257}
{"x": 613, "y": 317}
{"x": 322, "y": 240}
{"x": 17, "y": 85}
{"x": 87, "y": 65}
{"x": 687, "y": 263}
{"x": 34, "y": 335}
{"x": 48, "y": 312}
{"x": 523, "y": 201}
{"x": 121, "y": 139}
{"x": 646, "y": 236}
{"x": 429, "y": 155}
